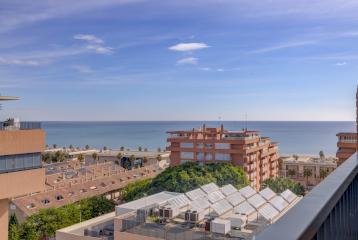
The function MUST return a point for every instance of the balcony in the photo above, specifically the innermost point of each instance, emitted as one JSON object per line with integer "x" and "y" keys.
{"x": 12, "y": 125}
{"x": 329, "y": 211}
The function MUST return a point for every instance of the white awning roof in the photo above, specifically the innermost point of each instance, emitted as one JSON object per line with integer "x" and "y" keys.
{"x": 247, "y": 192}
{"x": 200, "y": 204}
{"x": 228, "y": 189}
{"x": 235, "y": 199}
{"x": 267, "y": 193}
{"x": 215, "y": 196}
{"x": 195, "y": 194}
{"x": 289, "y": 196}
{"x": 268, "y": 211}
{"x": 221, "y": 207}
{"x": 256, "y": 200}
{"x": 279, "y": 203}
{"x": 245, "y": 208}
{"x": 179, "y": 201}
{"x": 211, "y": 187}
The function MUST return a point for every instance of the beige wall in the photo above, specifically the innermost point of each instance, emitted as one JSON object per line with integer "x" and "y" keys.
{"x": 4, "y": 216}
{"x": 22, "y": 141}
{"x": 22, "y": 182}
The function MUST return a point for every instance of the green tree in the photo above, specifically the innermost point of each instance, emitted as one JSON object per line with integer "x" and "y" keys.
{"x": 323, "y": 173}
{"x": 139, "y": 148}
{"x": 95, "y": 156}
{"x": 159, "y": 157}
{"x": 159, "y": 149}
{"x": 307, "y": 173}
{"x": 189, "y": 176}
{"x": 291, "y": 172}
{"x": 13, "y": 220}
{"x": 14, "y": 232}
{"x": 71, "y": 147}
{"x": 122, "y": 148}
{"x": 321, "y": 155}
{"x": 54, "y": 145}
{"x": 87, "y": 147}
{"x": 81, "y": 158}
{"x": 105, "y": 148}
{"x": 280, "y": 184}
{"x": 295, "y": 157}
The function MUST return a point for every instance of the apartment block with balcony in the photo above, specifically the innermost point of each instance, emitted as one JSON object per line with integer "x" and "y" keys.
{"x": 257, "y": 155}
{"x": 347, "y": 146}
{"x": 21, "y": 173}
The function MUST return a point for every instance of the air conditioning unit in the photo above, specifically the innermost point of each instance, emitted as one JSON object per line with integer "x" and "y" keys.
{"x": 194, "y": 217}
{"x": 187, "y": 216}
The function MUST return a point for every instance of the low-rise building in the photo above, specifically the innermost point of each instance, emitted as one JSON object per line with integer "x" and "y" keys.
{"x": 307, "y": 170}
{"x": 257, "y": 155}
{"x": 208, "y": 212}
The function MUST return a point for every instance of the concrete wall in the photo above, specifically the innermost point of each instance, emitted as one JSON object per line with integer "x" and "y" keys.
{"x": 22, "y": 141}
{"x": 20, "y": 183}
{"x": 4, "y": 216}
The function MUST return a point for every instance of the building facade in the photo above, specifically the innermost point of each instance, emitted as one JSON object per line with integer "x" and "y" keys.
{"x": 21, "y": 172}
{"x": 306, "y": 170}
{"x": 347, "y": 141}
{"x": 257, "y": 155}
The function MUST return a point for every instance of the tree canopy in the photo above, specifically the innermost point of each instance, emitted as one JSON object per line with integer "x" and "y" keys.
{"x": 280, "y": 184}
{"x": 45, "y": 223}
{"x": 186, "y": 177}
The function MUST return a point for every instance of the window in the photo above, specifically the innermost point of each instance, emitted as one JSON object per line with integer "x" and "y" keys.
{"x": 222, "y": 157}
{"x": 200, "y": 156}
{"x": 30, "y": 206}
{"x": 45, "y": 201}
{"x": 187, "y": 155}
{"x": 17, "y": 162}
{"x": 209, "y": 156}
{"x": 59, "y": 197}
{"x": 222, "y": 145}
{"x": 186, "y": 145}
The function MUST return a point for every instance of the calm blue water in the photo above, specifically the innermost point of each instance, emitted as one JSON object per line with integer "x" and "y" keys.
{"x": 293, "y": 137}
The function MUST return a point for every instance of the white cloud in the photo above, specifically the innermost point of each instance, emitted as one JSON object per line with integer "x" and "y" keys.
{"x": 100, "y": 49}
{"x": 339, "y": 64}
{"x": 89, "y": 38}
{"x": 285, "y": 46}
{"x": 82, "y": 68}
{"x": 189, "y": 60}
{"x": 187, "y": 47}
{"x": 21, "y": 62}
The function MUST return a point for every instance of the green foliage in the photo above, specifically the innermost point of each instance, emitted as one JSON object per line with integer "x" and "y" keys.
{"x": 45, "y": 223}
{"x": 186, "y": 177}
{"x": 13, "y": 220}
{"x": 122, "y": 148}
{"x": 136, "y": 190}
{"x": 95, "y": 156}
{"x": 50, "y": 157}
{"x": 280, "y": 184}
{"x": 87, "y": 147}
{"x": 14, "y": 232}
{"x": 139, "y": 148}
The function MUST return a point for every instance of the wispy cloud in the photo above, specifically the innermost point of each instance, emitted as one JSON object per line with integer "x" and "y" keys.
{"x": 82, "y": 69}
{"x": 188, "y": 47}
{"x": 89, "y": 38}
{"x": 94, "y": 43}
{"x": 189, "y": 60}
{"x": 339, "y": 64}
{"x": 285, "y": 45}
{"x": 21, "y": 62}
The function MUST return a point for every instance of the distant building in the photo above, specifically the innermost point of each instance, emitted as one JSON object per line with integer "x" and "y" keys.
{"x": 21, "y": 172}
{"x": 257, "y": 155}
{"x": 294, "y": 168}
{"x": 347, "y": 142}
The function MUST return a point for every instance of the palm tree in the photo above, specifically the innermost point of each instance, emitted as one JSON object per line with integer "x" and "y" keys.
{"x": 81, "y": 158}
{"x": 307, "y": 173}
{"x": 71, "y": 147}
{"x": 95, "y": 156}
{"x": 323, "y": 173}
{"x": 291, "y": 172}
{"x": 87, "y": 147}
{"x": 119, "y": 156}
{"x": 159, "y": 158}
{"x": 321, "y": 155}
{"x": 105, "y": 148}
{"x": 122, "y": 148}
{"x": 295, "y": 157}
{"x": 159, "y": 149}
{"x": 54, "y": 145}
{"x": 139, "y": 148}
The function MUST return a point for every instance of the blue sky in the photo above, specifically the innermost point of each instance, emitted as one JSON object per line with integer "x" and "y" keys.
{"x": 179, "y": 60}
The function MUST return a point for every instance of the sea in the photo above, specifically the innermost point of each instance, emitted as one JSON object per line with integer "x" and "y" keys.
{"x": 292, "y": 137}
